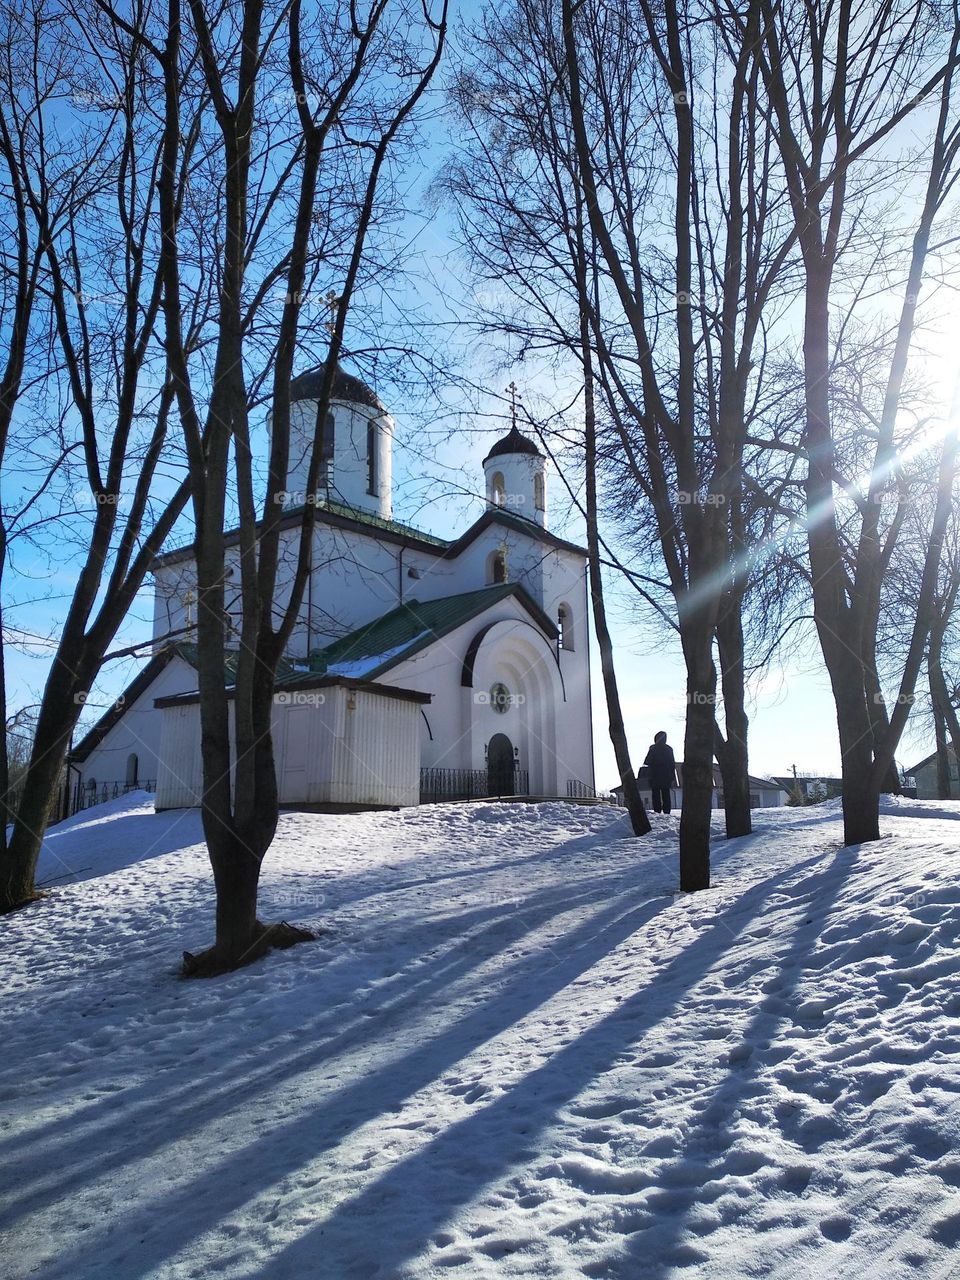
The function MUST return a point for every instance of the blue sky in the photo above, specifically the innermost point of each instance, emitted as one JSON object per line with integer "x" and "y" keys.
{"x": 438, "y": 488}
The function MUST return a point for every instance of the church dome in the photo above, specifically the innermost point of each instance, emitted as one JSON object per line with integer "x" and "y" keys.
{"x": 306, "y": 386}
{"x": 514, "y": 442}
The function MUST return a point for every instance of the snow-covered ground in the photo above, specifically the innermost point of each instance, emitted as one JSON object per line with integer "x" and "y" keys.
{"x": 517, "y": 1052}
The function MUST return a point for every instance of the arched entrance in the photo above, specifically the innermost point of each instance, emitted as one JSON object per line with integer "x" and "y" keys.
{"x": 500, "y": 765}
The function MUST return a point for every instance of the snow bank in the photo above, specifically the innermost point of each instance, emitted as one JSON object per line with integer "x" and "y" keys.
{"x": 518, "y": 1053}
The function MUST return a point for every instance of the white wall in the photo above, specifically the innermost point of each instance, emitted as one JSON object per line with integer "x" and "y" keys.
{"x": 138, "y": 731}
{"x": 517, "y": 493}
{"x": 333, "y": 746}
{"x": 553, "y": 736}
{"x": 348, "y": 470}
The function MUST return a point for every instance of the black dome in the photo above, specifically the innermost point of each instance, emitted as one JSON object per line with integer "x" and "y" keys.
{"x": 306, "y": 386}
{"x": 514, "y": 442}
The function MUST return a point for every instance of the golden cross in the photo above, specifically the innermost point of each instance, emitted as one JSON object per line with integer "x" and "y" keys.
{"x": 514, "y": 397}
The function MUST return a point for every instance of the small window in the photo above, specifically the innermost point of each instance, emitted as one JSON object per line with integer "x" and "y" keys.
{"x": 133, "y": 769}
{"x": 372, "y": 459}
{"x": 91, "y": 784}
{"x": 498, "y": 567}
{"x": 539, "y": 492}
{"x": 498, "y": 490}
{"x": 565, "y": 627}
{"x": 327, "y": 442}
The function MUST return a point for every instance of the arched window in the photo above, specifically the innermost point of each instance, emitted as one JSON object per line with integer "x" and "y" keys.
{"x": 498, "y": 489}
{"x": 133, "y": 769}
{"x": 539, "y": 492}
{"x": 371, "y": 459}
{"x": 565, "y": 626}
{"x": 497, "y": 567}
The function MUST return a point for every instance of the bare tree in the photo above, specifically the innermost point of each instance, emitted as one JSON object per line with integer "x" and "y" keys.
{"x": 841, "y": 80}
{"x": 90, "y": 197}
{"x": 352, "y": 80}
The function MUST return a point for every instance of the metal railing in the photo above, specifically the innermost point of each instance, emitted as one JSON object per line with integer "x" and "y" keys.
{"x": 577, "y": 790}
{"x": 471, "y": 784}
{"x": 87, "y": 797}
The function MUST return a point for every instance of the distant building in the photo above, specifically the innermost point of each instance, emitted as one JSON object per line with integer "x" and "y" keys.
{"x": 765, "y": 793}
{"x": 811, "y": 790}
{"x": 924, "y": 775}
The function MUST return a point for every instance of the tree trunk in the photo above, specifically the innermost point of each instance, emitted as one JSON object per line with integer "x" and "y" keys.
{"x": 733, "y": 761}
{"x": 58, "y": 717}
{"x": 881, "y": 724}
{"x": 861, "y": 796}
{"x": 5, "y": 810}
{"x": 618, "y": 734}
{"x": 944, "y": 715}
{"x": 698, "y": 751}
{"x": 240, "y": 937}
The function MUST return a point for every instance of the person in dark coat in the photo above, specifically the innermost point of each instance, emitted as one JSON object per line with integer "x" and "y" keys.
{"x": 661, "y": 770}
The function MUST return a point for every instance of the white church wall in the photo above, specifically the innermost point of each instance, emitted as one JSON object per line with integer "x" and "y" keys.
{"x": 473, "y": 567}
{"x": 356, "y": 578}
{"x": 347, "y": 471}
{"x": 511, "y": 482}
{"x": 554, "y": 738}
{"x": 137, "y": 733}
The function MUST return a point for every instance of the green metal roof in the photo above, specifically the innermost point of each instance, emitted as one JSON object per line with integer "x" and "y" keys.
{"x": 411, "y": 627}
{"x": 375, "y": 522}
{"x": 188, "y": 651}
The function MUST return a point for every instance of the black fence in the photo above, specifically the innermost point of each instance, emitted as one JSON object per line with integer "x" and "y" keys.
{"x": 471, "y": 784}
{"x": 87, "y": 797}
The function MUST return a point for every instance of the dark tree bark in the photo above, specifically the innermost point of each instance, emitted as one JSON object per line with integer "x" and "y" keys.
{"x": 61, "y": 196}
{"x": 239, "y": 823}
{"x": 618, "y": 734}
{"x": 826, "y": 126}
{"x": 732, "y": 747}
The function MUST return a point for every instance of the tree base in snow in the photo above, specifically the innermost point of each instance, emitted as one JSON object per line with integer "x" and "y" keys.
{"x": 13, "y": 903}
{"x": 218, "y": 959}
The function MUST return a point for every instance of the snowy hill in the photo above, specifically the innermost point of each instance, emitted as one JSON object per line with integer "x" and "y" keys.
{"x": 517, "y": 1052}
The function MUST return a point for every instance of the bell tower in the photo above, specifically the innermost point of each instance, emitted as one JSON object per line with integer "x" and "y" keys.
{"x": 515, "y": 472}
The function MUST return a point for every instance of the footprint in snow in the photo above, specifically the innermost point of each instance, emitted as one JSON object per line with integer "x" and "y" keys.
{"x": 836, "y": 1228}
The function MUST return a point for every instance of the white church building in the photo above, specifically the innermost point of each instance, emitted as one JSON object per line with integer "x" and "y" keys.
{"x": 420, "y": 667}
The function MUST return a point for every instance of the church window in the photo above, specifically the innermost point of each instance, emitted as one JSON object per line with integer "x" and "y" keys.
{"x": 498, "y": 567}
{"x": 371, "y": 459}
{"x": 133, "y": 769}
{"x": 565, "y": 626}
{"x": 500, "y": 698}
{"x": 326, "y": 449}
{"x": 539, "y": 500}
{"x": 498, "y": 489}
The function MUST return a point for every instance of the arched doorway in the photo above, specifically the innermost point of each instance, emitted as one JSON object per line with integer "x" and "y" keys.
{"x": 500, "y": 765}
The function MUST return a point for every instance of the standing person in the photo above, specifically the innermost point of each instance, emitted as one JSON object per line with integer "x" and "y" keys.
{"x": 661, "y": 771}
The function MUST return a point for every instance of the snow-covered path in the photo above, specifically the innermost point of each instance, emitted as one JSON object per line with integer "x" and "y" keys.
{"x": 516, "y": 1053}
